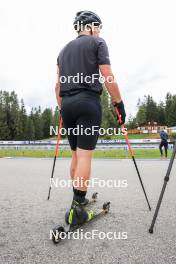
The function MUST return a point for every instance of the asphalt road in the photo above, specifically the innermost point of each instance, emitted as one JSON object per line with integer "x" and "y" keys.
{"x": 26, "y": 217}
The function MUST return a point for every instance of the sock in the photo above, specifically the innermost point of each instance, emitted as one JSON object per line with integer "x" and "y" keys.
{"x": 79, "y": 196}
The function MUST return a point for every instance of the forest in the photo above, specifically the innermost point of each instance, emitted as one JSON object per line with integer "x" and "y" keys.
{"x": 17, "y": 124}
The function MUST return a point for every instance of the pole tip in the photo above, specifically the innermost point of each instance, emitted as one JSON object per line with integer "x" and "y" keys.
{"x": 151, "y": 230}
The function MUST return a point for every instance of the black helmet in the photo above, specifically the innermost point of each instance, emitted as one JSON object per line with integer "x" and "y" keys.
{"x": 86, "y": 17}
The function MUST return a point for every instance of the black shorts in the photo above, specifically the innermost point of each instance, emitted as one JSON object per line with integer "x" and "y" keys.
{"x": 82, "y": 111}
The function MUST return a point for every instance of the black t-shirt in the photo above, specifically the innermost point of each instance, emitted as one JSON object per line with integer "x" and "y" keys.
{"x": 79, "y": 64}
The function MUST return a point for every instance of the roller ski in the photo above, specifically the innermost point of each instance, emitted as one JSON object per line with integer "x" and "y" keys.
{"x": 75, "y": 218}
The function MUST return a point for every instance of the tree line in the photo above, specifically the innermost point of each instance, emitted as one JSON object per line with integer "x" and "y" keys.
{"x": 164, "y": 112}
{"x": 16, "y": 124}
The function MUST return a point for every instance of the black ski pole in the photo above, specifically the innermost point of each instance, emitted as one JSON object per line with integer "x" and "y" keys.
{"x": 56, "y": 153}
{"x": 133, "y": 158}
{"x": 166, "y": 179}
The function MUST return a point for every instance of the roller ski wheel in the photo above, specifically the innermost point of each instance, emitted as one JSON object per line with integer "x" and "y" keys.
{"x": 57, "y": 234}
{"x": 94, "y": 196}
{"x": 106, "y": 207}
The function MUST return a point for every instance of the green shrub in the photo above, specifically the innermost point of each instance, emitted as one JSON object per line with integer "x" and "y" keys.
{"x": 173, "y": 136}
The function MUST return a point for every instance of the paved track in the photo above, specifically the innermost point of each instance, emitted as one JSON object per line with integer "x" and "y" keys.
{"x": 26, "y": 217}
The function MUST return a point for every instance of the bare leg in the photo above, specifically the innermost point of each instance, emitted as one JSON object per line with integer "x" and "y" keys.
{"x": 73, "y": 165}
{"x": 83, "y": 168}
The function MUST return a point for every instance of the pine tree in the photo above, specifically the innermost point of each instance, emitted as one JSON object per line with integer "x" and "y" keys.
{"x": 161, "y": 114}
{"x": 38, "y": 123}
{"x": 47, "y": 118}
{"x": 141, "y": 117}
{"x": 4, "y": 130}
{"x": 131, "y": 123}
{"x": 30, "y": 129}
{"x": 108, "y": 114}
{"x": 170, "y": 109}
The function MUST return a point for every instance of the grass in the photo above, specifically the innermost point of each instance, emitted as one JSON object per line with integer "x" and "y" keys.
{"x": 119, "y": 154}
{"x": 130, "y": 136}
{"x": 137, "y": 136}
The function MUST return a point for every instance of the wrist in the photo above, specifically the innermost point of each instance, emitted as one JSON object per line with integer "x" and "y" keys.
{"x": 118, "y": 103}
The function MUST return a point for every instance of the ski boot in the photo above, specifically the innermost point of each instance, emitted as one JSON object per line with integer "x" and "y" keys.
{"x": 77, "y": 215}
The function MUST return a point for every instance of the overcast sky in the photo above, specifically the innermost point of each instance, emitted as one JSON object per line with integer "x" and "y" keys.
{"x": 140, "y": 35}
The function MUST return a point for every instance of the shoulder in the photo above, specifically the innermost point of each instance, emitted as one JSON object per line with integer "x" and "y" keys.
{"x": 98, "y": 40}
{"x": 66, "y": 46}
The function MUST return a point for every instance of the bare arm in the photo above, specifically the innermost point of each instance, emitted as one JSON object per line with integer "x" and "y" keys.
{"x": 110, "y": 83}
{"x": 57, "y": 90}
